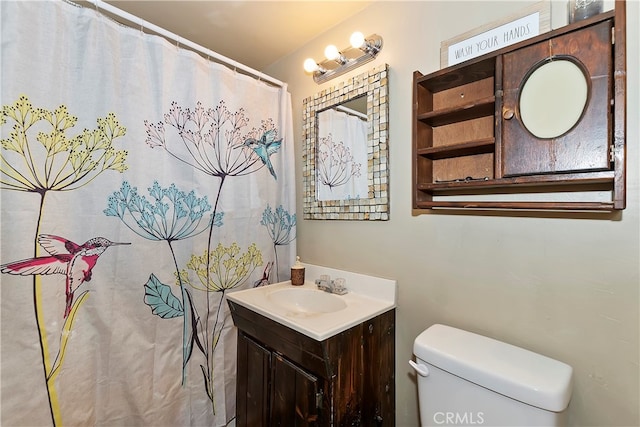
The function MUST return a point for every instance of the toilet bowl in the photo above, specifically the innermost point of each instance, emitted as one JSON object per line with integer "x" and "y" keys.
{"x": 465, "y": 379}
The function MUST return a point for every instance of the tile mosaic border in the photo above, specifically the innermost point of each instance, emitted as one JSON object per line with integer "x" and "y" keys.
{"x": 374, "y": 84}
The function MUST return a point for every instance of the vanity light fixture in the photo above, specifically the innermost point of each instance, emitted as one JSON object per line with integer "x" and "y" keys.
{"x": 361, "y": 51}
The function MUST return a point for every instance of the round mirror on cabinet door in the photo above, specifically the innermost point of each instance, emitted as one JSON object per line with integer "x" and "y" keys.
{"x": 553, "y": 98}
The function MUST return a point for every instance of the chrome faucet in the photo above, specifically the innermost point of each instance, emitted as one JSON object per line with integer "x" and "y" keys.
{"x": 336, "y": 286}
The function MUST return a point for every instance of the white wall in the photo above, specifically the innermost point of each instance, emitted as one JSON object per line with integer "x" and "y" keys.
{"x": 561, "y": 285}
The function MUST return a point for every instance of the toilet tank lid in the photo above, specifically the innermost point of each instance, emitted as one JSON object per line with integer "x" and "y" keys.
{"x": 504, "y": 368}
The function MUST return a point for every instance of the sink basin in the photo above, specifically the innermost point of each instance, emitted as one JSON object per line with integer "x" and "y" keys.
{"x": 307, "y": 301}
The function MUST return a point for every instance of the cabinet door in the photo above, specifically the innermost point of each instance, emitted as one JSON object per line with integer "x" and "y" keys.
{"x": 294, "y": 395}
{"x": 379, "y": 371}
{"x": 565, "y": 146}
{"x": 252, "y": 383}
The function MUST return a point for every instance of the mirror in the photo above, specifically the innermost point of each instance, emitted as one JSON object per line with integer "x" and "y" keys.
{"x": 341, "y": 151}
{"x": 345, "y": 150}
{"x": 553, "y": 98}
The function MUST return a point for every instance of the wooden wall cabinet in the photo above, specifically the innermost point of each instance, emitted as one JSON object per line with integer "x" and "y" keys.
{"x": 288, "y": 379}
{"x": 469, "y": 137}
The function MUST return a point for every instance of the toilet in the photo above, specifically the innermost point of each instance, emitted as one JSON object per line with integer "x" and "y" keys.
{"x": 466, "y": 379}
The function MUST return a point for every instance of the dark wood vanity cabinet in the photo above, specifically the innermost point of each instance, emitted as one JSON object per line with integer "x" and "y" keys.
{"x": 470, "y": 137}
{"x": 285, "y": 378}
{"x": 273, "y": 390}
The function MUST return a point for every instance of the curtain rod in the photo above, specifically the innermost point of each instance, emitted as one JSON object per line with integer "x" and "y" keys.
{"x": 99, "y": 4}
{"x": 352, "y": 112}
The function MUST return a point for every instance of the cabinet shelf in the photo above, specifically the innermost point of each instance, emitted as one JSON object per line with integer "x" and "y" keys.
{"x": 479, "y": 146}
{"x": 472, "y": 70}
{"x": 472, "y": 110}
{"x": 603, "y": 178}
{"x": 528, "y": 206}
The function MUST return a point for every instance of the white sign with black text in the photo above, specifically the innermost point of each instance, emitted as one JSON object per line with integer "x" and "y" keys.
{"x": 494, "y": 39}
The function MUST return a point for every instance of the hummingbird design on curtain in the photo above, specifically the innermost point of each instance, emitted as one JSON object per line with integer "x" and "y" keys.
{"x": 265, "y": 276}
{"x": 66, "y": 257}
{"x": 264, "y": 148}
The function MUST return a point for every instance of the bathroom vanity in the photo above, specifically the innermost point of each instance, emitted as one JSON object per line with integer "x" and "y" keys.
{"x": 309, "y": 358}
{"x": 286, "y": 378}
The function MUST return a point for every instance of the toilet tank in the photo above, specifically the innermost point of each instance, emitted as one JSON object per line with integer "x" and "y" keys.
{"x": 469, "y": 379}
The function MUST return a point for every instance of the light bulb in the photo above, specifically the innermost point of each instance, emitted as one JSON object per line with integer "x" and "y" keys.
{"x": 310, "y": 65}
{"x": 331, "y": 52}
{"x": 357, "y": 40}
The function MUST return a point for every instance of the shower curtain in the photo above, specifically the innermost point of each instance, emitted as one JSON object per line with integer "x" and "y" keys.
{"x": 140, "y": 184}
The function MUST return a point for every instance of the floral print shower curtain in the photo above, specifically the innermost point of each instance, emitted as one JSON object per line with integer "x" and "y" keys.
{"x": 140, "y": 184}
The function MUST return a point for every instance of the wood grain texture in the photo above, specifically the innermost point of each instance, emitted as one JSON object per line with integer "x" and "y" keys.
{"x": 585, "y": 146}
{"x": 459, "y": 130}
{"x": 352, "y": 374}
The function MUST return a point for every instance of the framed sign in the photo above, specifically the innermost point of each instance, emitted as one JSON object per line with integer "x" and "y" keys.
{"x": 529, "y": 22}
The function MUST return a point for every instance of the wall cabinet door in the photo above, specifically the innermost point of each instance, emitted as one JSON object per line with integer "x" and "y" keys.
{"x": 560, "y": 123}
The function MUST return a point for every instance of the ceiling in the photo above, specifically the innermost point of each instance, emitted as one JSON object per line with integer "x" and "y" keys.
{"x": 253, "y": 33}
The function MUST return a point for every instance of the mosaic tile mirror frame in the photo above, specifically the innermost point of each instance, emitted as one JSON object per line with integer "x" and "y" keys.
{"x": 374, "y": 85}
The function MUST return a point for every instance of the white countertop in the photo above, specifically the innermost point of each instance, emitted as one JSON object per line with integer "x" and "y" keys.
{"x": 368, "y": 297}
